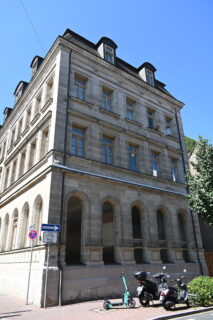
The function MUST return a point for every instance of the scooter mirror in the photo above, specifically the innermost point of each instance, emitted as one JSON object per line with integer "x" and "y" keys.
{"x": 164, "y": 267}
{"x": 168, "y": 276}
{"x": 184, "y": 270}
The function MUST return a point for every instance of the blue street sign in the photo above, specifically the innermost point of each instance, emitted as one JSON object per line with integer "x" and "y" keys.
{"x": 51, "y": 227}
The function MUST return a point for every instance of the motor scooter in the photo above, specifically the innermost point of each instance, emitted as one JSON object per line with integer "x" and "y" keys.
{"x": 127, "y": 300}
{"x": 171, "y": 296}
{"x": 148, "y": 290}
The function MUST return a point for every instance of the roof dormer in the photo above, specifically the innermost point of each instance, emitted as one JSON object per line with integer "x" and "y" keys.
{"x": 19, "y": 90}
{"x": 35, "y": 64}
{"x": 147, "y": 73}
{"x": 7, "y": 112}
{"x": 107, "y": 49}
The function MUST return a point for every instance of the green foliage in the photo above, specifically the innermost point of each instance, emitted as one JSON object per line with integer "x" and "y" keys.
{"x": 200, "y": 185}
{"x": 202, "y": 288}
{"x": 190, "y": 145}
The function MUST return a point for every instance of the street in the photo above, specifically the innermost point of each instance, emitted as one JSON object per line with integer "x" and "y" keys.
{"x": 200, "y": 316}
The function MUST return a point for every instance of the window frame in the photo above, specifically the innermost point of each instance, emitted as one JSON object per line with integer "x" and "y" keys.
{"x": 106, "y": 99}
{"x": 130, "y": 106}
{"x": 78, "y": 137}
{"x": 134, "y": 151}
{"x": 109, "y": 54}
{"x": 108, "y": 158}
{"x": 155, "y": 169}
{"x": 79, "y": 86}
{"x": 151, "y": 118}
{"x": 149, "y": 77}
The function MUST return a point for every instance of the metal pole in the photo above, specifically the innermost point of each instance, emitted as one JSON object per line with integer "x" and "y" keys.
{"x": 28, "y": 284}
{"x": 45, "y": 289}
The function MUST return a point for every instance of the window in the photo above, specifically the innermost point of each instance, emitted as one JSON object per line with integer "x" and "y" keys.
{"x": 78, "y": 139}
{"x": 174, "y": 163}
{"x": 136, "y": 223}
{"x": 130, "y": 109}
{"x": 22, "y": 163}
{"x": 79, "y": 87}
{"x": 107, "y": 148}
{"x": 151, "y": 116}
{"x": 107, "y": 99}
{"x": 149, "y": 77}
{"x": 12, "y": 137}
{"x": 168, "y": 126}
{"x": 28, "y": 117}
{"x": 6, "y": 178}
{"x": 109, "y": 54}
{"x": 37, "y": 104}
{"x": 154, "y": 164}
{"x": 133, "y": 150}
{"x": 161, "y": 225}
{"x": 32, "y": 154}
{"x": 49, "y": 92}
{"x": 20, "y": 127}
{"x": 44, "y": 142}
{"x": 13, "y": 175}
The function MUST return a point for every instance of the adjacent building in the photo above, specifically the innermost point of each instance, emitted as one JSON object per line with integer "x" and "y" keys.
{"x": 95, "y": 145}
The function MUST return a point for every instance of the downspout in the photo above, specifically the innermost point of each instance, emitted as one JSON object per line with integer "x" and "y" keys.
{"x": 187, "y": 191}
{"x": 60, "y": 266}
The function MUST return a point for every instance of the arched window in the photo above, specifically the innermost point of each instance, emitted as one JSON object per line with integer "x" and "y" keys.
{"x": 24, "y": 226}
{"x": 14, "y": 227}
{"x": 161, "y": 225}
{"x": 137, "y": 235}
{"x": 73, "y": 238}
{"x": 136, "y": 223}
{"x": 5, "y": 232}
{"x": 108, "y": 233}
{"x": 37, "y": 216}
{"x": 182, "y": 227}
{"x": 0, "y": 233}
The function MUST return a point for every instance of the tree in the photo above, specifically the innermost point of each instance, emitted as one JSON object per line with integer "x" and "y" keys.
{"x": 200, "y": 184}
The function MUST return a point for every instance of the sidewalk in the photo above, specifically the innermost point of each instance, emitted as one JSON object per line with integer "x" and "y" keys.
{"x": 12, "y": 307}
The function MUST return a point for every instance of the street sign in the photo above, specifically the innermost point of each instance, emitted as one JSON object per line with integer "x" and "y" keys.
{"x": 32, "y": 227}
{"x": 50, "y": 237}
{"x": 33, "y": 234}
{"x": 51, "y": 227}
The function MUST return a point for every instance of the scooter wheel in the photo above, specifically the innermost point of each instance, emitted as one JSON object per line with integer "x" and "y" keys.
{"x": 131, "y": 303}
{"x": 106, "y": 305}
{"x": 168, "y": 305}
{"x": 144, "y": 301}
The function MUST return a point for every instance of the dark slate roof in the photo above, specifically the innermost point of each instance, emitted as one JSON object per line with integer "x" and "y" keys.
{"x": 119, "y": 63}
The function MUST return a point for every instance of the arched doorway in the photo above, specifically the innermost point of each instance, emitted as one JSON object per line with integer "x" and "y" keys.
{"x": 5, "y": 232}
{"x": 24, "y": 226}
{"x": 162, "y": 236}
{"x": 73, "y": 236}
{"x": 183, "y": 235}
{"x": 137, "y": 235}
{"x": 37, "y": 216}
{"x": 14, "y": 230}
{"x": 108, "y": 233}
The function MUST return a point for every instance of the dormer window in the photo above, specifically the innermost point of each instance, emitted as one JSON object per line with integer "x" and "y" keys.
{"x": 108, "y": 54}
{"x": 20, "y": 90}
{"x": 147, "y": 73}
{"x": 107, "y": 49}
{"x": 35, "y": 64}
{"x": 149, "y": 77}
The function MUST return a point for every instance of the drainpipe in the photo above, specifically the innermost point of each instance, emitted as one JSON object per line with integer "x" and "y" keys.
{"x": 60, "y": 266}
{"x": 187, "y": 191}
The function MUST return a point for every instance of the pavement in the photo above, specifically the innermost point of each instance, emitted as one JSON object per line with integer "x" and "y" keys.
{"x": 12, "y": 307}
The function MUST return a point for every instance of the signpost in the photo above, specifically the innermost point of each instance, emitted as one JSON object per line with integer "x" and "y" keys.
{"x": 50, "y": 235}
{"x": 32, "y": 235}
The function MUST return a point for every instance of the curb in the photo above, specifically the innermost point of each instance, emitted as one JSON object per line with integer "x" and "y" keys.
{"x": 187, "y": 313}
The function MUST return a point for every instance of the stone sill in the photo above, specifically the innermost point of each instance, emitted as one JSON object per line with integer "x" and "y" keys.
{"x": 84, "y": 102}
{"x": 47, "y": 104}
{"x": 37, "y": 116}
{"x": 25, "y": 130}
{"x": 134, "y": 122}
{"x": 110, "y": 113}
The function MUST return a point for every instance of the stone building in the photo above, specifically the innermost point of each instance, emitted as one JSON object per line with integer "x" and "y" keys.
{"x": 95, "y": 145}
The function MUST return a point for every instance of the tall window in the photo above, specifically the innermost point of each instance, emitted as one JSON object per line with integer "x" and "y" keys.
{"x": 108, "y": 233}
{"x": 109, "y": 54}
{"x": 13, "y": 175}
{"x": 133, "y": 150}
{"x": 6, "y": 178}
{"x": 5, "y": 232}
{"x": 161, "y": 225}
{"x": 78, "y": 139}
{"x": 45, "y": 141}
{"x": 37, "y": 104}
{"x": 155, "y": 164}
{"x": 32, "y": 154}
{"x": 28, "y": 117}
{"x": 107, "y": 150}
{"x": 151, "y": 118}
{"x": 168, "y": 126}
{"x": 174, "y": 164}
{"x": 24, "y": 226}
{"x": 22, "y": 163}
{"x": 79, "y": 87}
{"x": 20, "y": 127}
{"x": 14, "y": 230}
{"x": 107, "y": 99}
{"x": 136, "y": 223}
{"x": 49, "y": 92}
{"x": 130, "y": 109}
{"x": 12, "y": 137}
{"x": 149, "y": 77}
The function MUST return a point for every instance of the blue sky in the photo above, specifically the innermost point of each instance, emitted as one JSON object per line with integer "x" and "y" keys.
{"x": 174, "y": 35}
